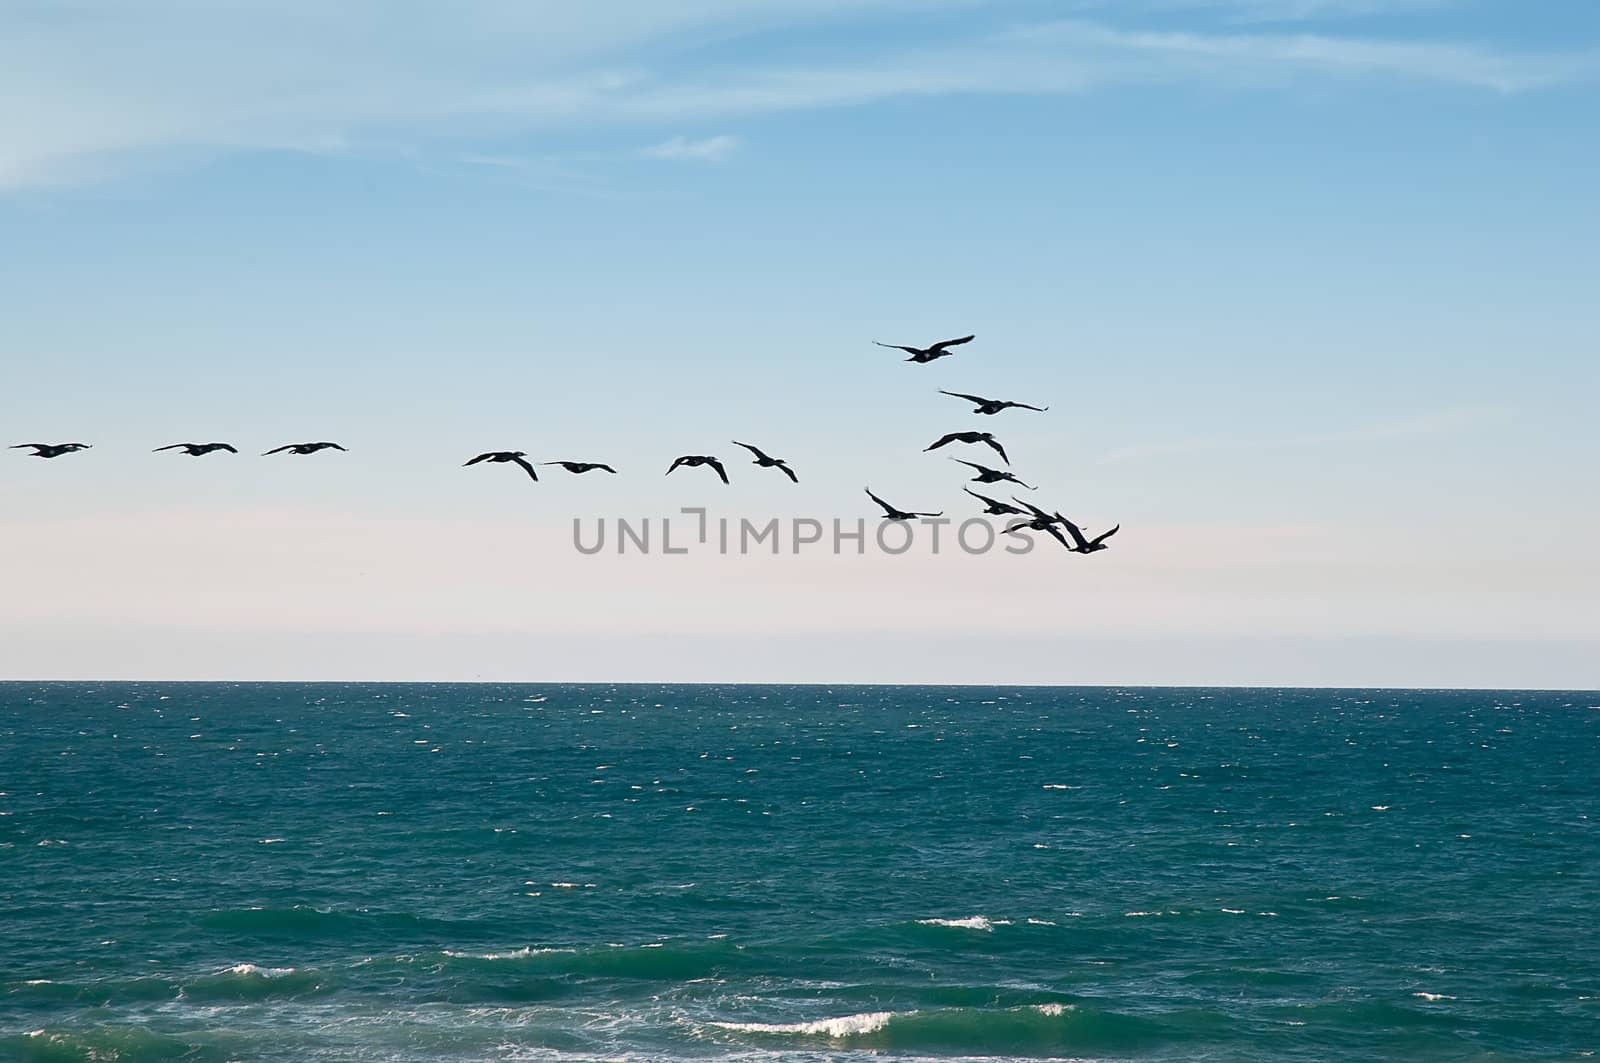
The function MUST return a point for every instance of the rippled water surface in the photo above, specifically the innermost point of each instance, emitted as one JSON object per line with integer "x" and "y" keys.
{"x": 385, "y": 873}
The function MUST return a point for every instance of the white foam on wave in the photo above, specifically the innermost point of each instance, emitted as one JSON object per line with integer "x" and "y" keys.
{"x": 1433, "y": 996}
{"x": 250, "y": 969}
{"x": 510, "y": 954}
{"x": 843, "y": 1026}
{"x": 971, "y": 922}
{"x": 1053, "y": 1010}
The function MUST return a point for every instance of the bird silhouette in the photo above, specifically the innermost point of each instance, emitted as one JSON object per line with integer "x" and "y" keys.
{"x": 1080, "y": 545}
{"x": 928, "y": 354}
{"x": 969, "y": 437}
{"x": 197, "y": 450}
{"x": 692, "y": 460}
{"x": 303, "y": 448}
{"x": 1040, "y": 521}
{"x": 580, "y": 466}
{"x": 992, "y": 406}
{"x": 766, "y": 461}
{"x": 994, "y": 507}
{"x": 51, "y": 450}
{"x": 516, "y": 457}
{"x": 890, "y": 513}
{"x": 987, "y": 475}
{"x": 1046, "y": 524}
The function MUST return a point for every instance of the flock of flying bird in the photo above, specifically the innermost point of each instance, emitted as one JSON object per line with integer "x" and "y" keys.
{"x": 1036, "y": 519}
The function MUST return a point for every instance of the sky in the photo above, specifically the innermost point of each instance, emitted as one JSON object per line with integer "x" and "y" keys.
{"x": 1308, "y": 286}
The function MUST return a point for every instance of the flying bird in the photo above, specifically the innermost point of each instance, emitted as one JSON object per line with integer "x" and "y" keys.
{"x": 928, "y": 354}
{"x": 987, "y": 475}
{"x": 692, "y": 460}
{"x": 516, "y": 457}
{"x": 890, "y": 513}
{"x": 51, "y": 450}
{"x": 1044, "y": 524}
{"x": 1041, "y": 521}
{"x": 766, "y": 461}
{"x": 994, "y": 507}
{"x": 580, "y": 466}
{"x": 1080, "y": 545}
{"x": 196, "y": 450}
{"x": 992, "y": 406}
{"x": 303, "y": 448}
{"x": 969, "y": 437}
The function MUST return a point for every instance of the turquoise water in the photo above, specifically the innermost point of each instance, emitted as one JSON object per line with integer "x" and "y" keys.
{"x": 217, "y": 872}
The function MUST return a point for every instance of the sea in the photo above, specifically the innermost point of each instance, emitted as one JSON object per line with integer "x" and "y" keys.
{"x": 375, "y": 872}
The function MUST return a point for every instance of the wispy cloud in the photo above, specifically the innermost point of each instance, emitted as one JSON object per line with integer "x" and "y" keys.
{"x": 96, "y": 86}
{"x": 1175, "y": 55}
{"x": 709, "y": 149}
{"x": 1297, "y": 10}
{"x": 1437, "y": 422}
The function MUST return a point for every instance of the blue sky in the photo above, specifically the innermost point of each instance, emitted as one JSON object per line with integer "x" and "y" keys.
{"x": 1309, "y": 287}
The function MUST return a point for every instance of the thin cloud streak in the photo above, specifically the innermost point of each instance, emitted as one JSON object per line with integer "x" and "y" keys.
{"x": 82, "y": 96}
{"x": 710, "y": 149}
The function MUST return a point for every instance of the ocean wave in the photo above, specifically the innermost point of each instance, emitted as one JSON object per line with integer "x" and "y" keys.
{"x": 1028, "y": 1031}
{"x": 305, "y": 922}
{"x": 842, "y": 1027}
{"x": 248, "y": 981}
{"x": 242, "y": 981}
{"x": 971, "y": 922}
{"x": 124, "y": 1044}
{"x": 509, "y": 954}
{"x": 264, "y": 972}
{"x": 656, "y": 960}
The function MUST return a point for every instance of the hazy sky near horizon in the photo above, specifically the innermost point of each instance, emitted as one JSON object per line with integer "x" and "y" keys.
{"x": 1309, "y": 286}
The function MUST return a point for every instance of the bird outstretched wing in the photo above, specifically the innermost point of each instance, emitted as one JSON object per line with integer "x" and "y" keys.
{"x": 979, "y": 399}
{"x": 1025, "y": 406}
{"x": 675, "y": 463}
{"x": 1035, "y": 510}
{"x": 788, "y": 472}
{"x": 529, "y": 469}
{"x": 717, "y": 465}
{"x": 990, "y": 502}
{"x": 1103, "y": 536}
{"x": 942, "y": 344}
{"x": 760, "y": 456}
{"x": 171, "y": 446}
{"x": 998, "y": 449}
{"x": 278, "y": 450}
{"x": 887, "y": 508}
{"x": 913, "y": 351}
{"x": 1050, "y": 529}
{"x": 229, "y": 447}
{"x": 948, "y": 437}
{"x": 1079, "y": 543}
{"x": 480, "y": 457}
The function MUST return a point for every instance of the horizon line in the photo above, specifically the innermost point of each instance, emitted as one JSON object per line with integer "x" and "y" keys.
{"x": 780, "y": 683}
